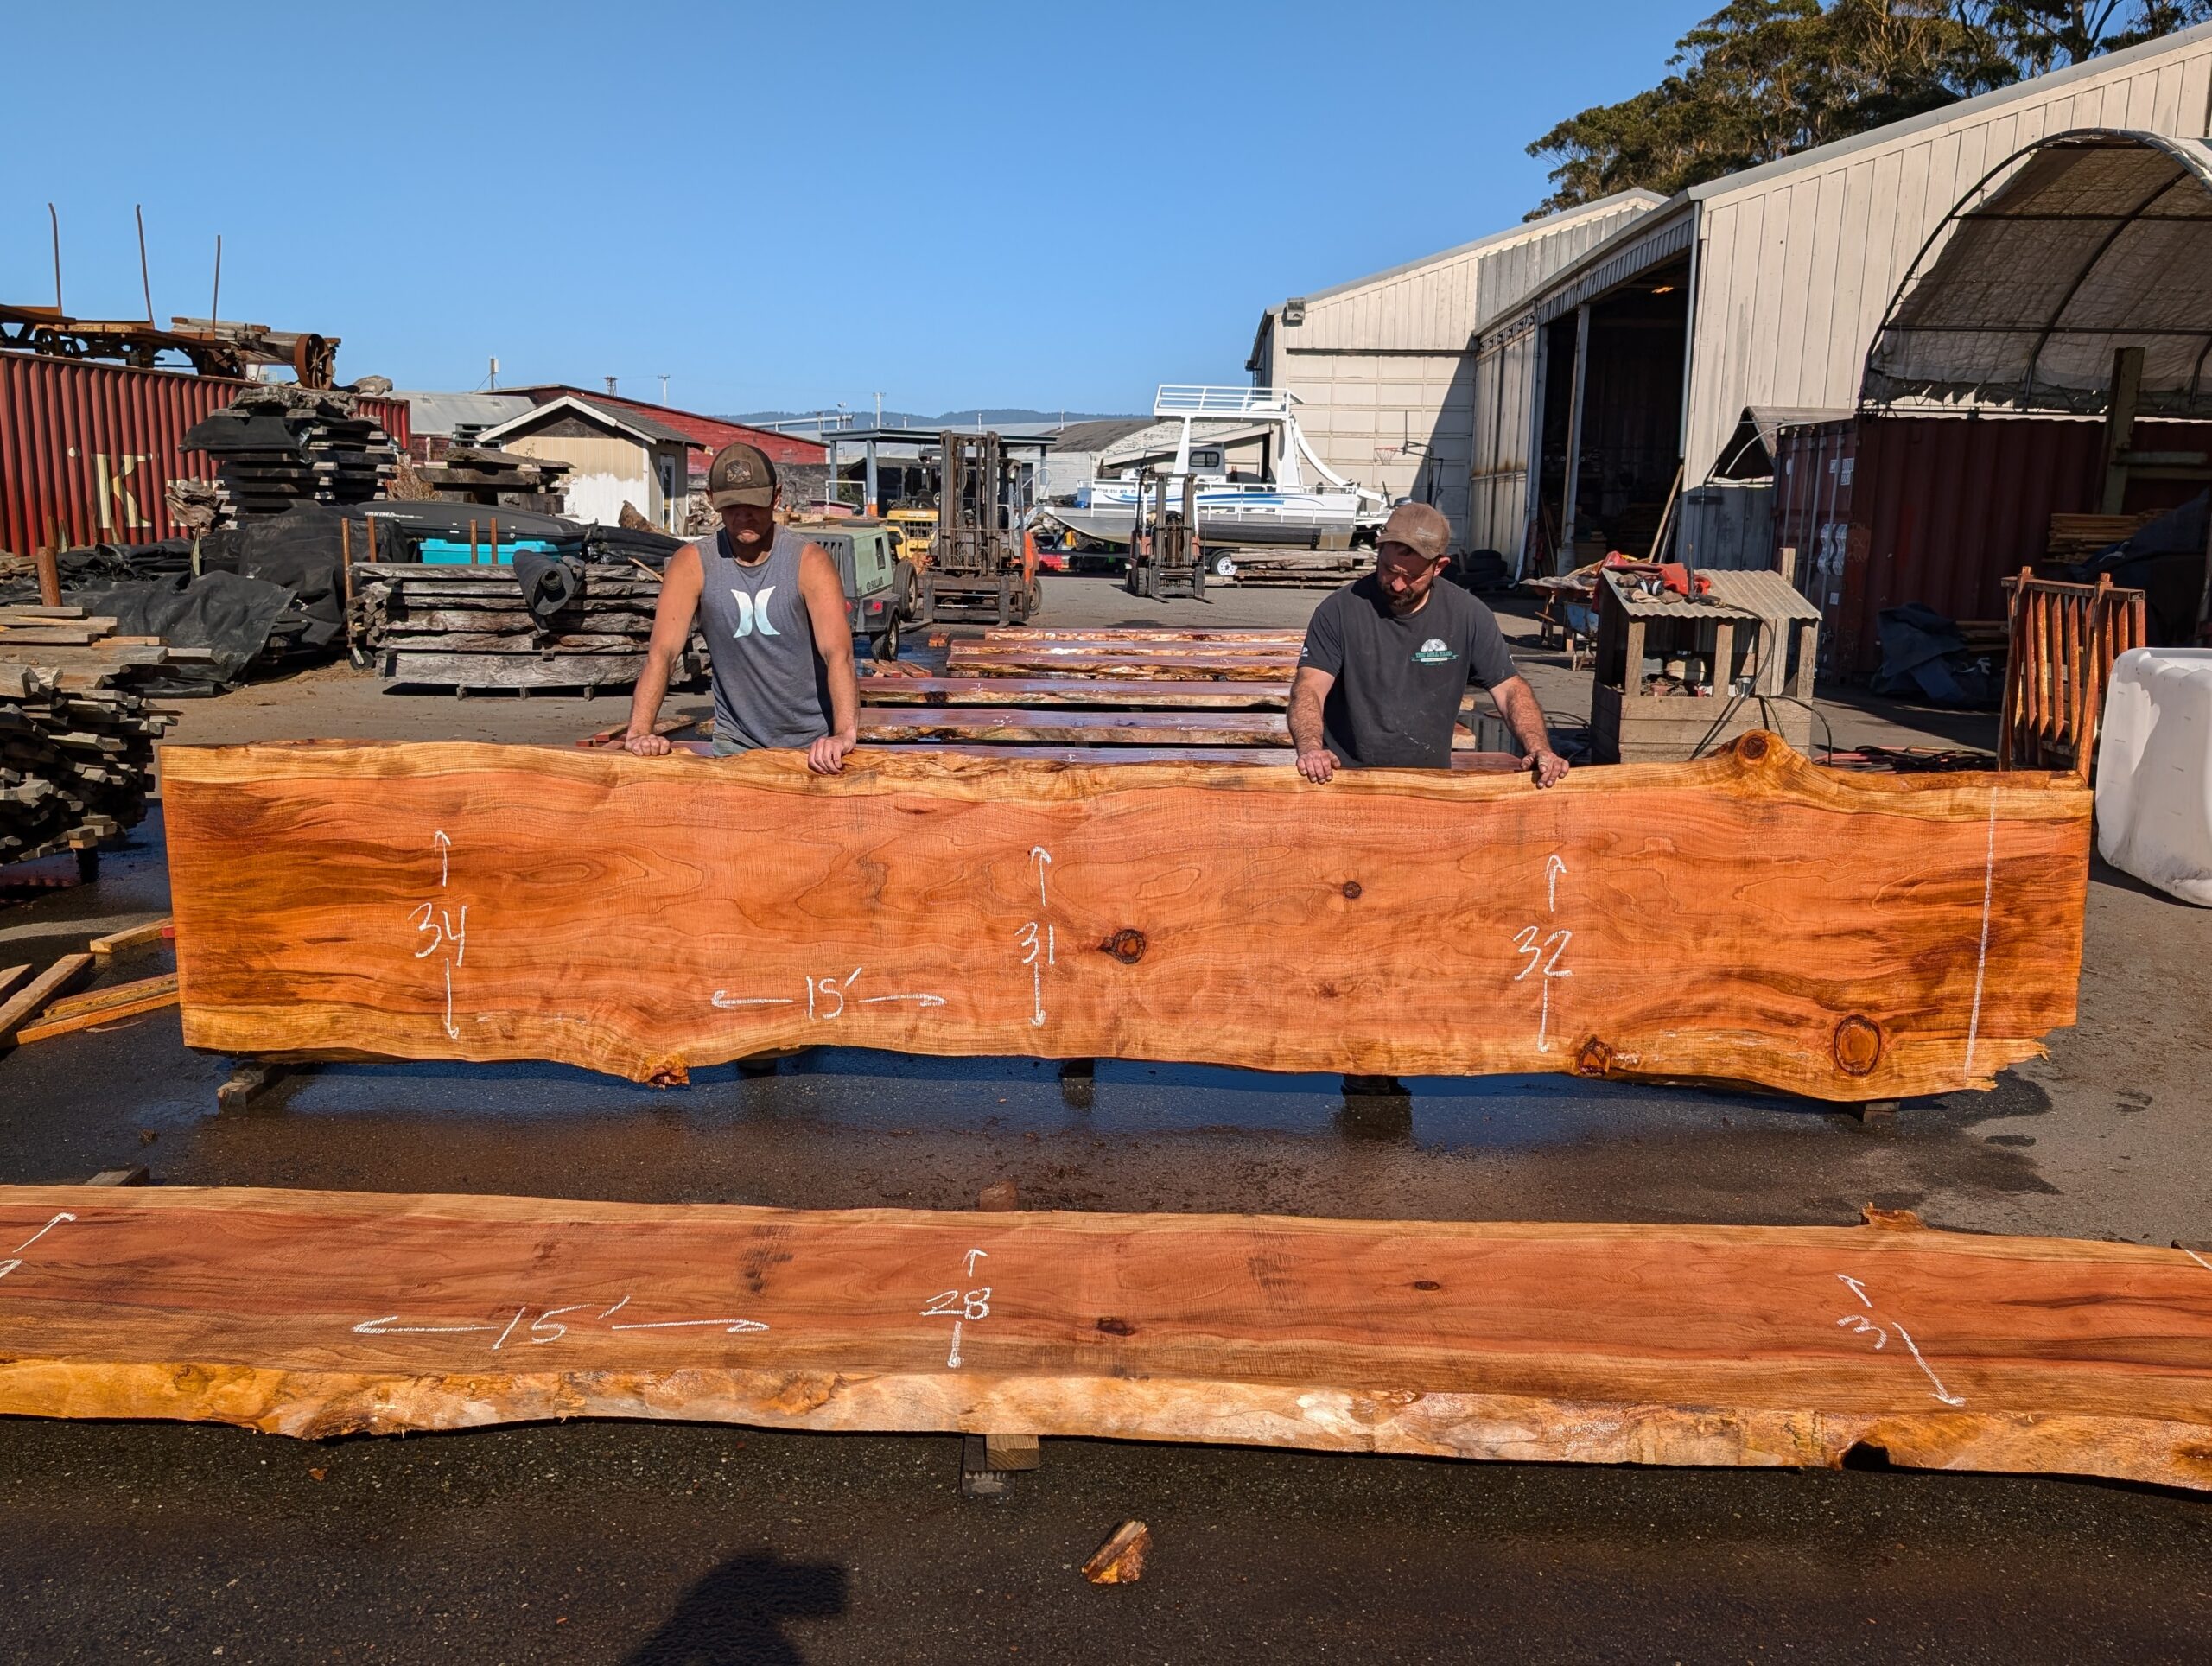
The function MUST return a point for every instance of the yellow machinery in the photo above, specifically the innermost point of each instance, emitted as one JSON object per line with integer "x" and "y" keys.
{"x": 917, "y": 530}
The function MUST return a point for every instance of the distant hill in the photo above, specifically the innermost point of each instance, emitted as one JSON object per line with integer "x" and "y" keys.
{"x": 915, "y": 419}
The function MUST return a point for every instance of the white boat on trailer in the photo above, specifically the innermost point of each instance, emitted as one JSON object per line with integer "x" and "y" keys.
{"x": 1282, "y": 511}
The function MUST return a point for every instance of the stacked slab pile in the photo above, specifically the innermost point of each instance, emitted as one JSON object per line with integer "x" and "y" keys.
{"x": 1293, "y": 569}
{"x": 496, "y": 478}
{"x": 278, "y": 446}
{"x": 76, "y": 734}
{"x": 472, "y": 626}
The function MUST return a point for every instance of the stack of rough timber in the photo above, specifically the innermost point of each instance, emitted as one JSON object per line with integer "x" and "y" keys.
{"x": 469, "y": 628}
{"x": 76, "y": 740}
{"x": 1148, "y": 655}
{"x": 1295, "y": 569}
{"x": 496, "y": 478}
{"x": 1110, "y": 696}
{"x": 281, "y": 445}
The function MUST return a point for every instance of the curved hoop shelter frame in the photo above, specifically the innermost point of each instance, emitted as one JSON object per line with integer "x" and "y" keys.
{"x": 2079, "y": 245}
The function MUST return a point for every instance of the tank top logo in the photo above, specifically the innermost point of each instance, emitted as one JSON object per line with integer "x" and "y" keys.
{"x": 752, "y": 613}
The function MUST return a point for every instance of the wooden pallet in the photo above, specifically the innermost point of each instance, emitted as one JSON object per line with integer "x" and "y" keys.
{"x": 321, "y": 1313}
{"x": 1747, "y": 917}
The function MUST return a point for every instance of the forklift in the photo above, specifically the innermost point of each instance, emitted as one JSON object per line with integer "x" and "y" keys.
{"x": 1165, "y": 559}
{"x": 980, "y": 567}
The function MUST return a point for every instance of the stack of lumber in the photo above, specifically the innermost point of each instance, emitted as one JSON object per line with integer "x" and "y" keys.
{"x": 281, "y": 445}
{"x": 468, "y": 627}
{"x": 1401, "y": 922}
{"x": 76, "y": 736}
{"x": 496, "y": 478}
{"x": 1126, "y": 696}
{"x": 1143, "y": 655}
{"x": 1294, "y": 570}
{"x": 324, "y": 1313}
{"x": 2073, "y": 537}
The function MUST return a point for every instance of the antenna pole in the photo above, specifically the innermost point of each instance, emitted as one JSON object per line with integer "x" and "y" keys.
{"x": 56, "y": 220}
{"x": 144, "y": 277}
{"x": 215, "y": 306}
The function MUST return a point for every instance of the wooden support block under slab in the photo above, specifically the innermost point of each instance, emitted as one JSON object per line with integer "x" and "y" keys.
{"x": 247, "y": 1081}
{"x": 20, "y": 1008}
{"x": 136, "y": 1175}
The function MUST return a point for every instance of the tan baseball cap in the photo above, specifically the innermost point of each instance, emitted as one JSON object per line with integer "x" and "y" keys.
{"x": 1420, "y": 527}
{"x": 741, "y": 473}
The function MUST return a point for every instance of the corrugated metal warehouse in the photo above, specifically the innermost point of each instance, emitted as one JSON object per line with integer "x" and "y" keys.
{"x": 1763, "y": 288}
{"x": 1384, "y": 367}
{"x": 2077, "y": 280}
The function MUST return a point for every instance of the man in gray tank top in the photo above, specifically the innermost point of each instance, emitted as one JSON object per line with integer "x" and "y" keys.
{"x": 772, "y": 610}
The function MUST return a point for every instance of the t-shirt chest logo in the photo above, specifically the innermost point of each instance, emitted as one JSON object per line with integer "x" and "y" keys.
{"x": 1434, "y": 653}
{"x": 752, "y": 613}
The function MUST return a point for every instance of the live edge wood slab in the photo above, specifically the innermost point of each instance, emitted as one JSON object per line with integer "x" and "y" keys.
{"x": 321, "y": 1314}
{"x": 1748, "y": 918}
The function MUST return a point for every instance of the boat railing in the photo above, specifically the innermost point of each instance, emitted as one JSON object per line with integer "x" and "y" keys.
{"x": 1193, "y": 399}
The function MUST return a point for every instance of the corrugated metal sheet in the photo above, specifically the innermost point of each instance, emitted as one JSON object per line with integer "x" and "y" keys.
{"x": 87, "y": 450}
{"x": 1885, "y": 509}
{"x": 1798, "y": 260}
{"x": 1643, "y": 248}
{"x": 1431, "y": 305}
{"x": 1497, "y": 483}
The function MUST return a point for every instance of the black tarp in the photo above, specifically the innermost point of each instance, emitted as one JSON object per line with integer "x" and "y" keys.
{"x": 1924, "y": 654}
{"x": 2165, "y": 561}
{"x": 226, "y": 612}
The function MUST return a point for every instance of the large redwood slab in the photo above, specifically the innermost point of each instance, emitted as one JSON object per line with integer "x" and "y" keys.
{"x": 317, "y": 1313}
{"x": 1748, "y": 917}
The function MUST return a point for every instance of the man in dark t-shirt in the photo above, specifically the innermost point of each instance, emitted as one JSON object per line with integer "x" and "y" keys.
{"x": 1388, "y": 657}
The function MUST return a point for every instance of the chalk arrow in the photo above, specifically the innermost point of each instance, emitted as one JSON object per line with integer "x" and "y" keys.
{"x": 1044, "y": 859}
{"x": 1553, "y": 868}
{"x": 444, "y": 845}
{"x": 973, "y": 1256}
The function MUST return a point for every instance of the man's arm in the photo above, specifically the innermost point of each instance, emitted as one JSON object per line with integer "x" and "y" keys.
{"x": 833, "y": 640}
{"x": 680, "y": 584}
{"x": 1309, "y": 690}
{"x": 1516, "y": 704}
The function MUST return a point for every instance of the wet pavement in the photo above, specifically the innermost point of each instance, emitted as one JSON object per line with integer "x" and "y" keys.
{"x": 656, "y": 1542}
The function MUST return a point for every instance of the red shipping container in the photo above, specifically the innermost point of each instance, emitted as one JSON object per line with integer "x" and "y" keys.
{"x": 1884, "y": 509}
{"x": 87, "y": 450}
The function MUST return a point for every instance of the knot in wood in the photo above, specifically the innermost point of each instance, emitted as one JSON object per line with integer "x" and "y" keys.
{"x": 1594, "y": 1060}
{"x": 1858, "y": 1045}
{"x": 1752, "y": 748}
{"x": 1351, "y": 890}
{"x": 1126, "y": 946}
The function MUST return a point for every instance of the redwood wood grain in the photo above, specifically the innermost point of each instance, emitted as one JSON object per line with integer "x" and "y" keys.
{"x": 322, "y": 1313}
{"x": 1748, "y": 916}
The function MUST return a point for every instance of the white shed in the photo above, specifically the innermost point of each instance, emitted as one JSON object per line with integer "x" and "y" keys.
{"x": 615, "y": 455}
{"x": 1764, "y": 289}
{"x": 1383, "y": 366}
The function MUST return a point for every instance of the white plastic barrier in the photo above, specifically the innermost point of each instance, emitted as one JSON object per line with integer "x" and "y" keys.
{"x": 2154, "y": 771}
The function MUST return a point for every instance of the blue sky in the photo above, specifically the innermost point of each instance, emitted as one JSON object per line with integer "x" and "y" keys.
{"x": 767, "y": 202}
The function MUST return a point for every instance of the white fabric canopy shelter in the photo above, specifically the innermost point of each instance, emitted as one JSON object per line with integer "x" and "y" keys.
{"x": 2081, "y": 244}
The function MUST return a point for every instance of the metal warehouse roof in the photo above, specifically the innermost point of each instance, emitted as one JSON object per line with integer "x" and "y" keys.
{"x": 2065, "y": 252}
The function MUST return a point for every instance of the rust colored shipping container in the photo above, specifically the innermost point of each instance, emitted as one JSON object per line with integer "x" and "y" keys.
{"x": 87, "y": 450}
{"x": 1884, "y": 509}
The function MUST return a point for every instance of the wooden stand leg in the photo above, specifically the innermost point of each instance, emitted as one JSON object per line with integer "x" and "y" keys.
{"x": 250, "y": 1079}
{"x": 988, "y": 1463}
{"x": 1078, "y": 1080}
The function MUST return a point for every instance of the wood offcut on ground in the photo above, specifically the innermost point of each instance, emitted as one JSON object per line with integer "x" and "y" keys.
{"x": 319, "y": 1314}
{"x": 1746, "y": 918}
